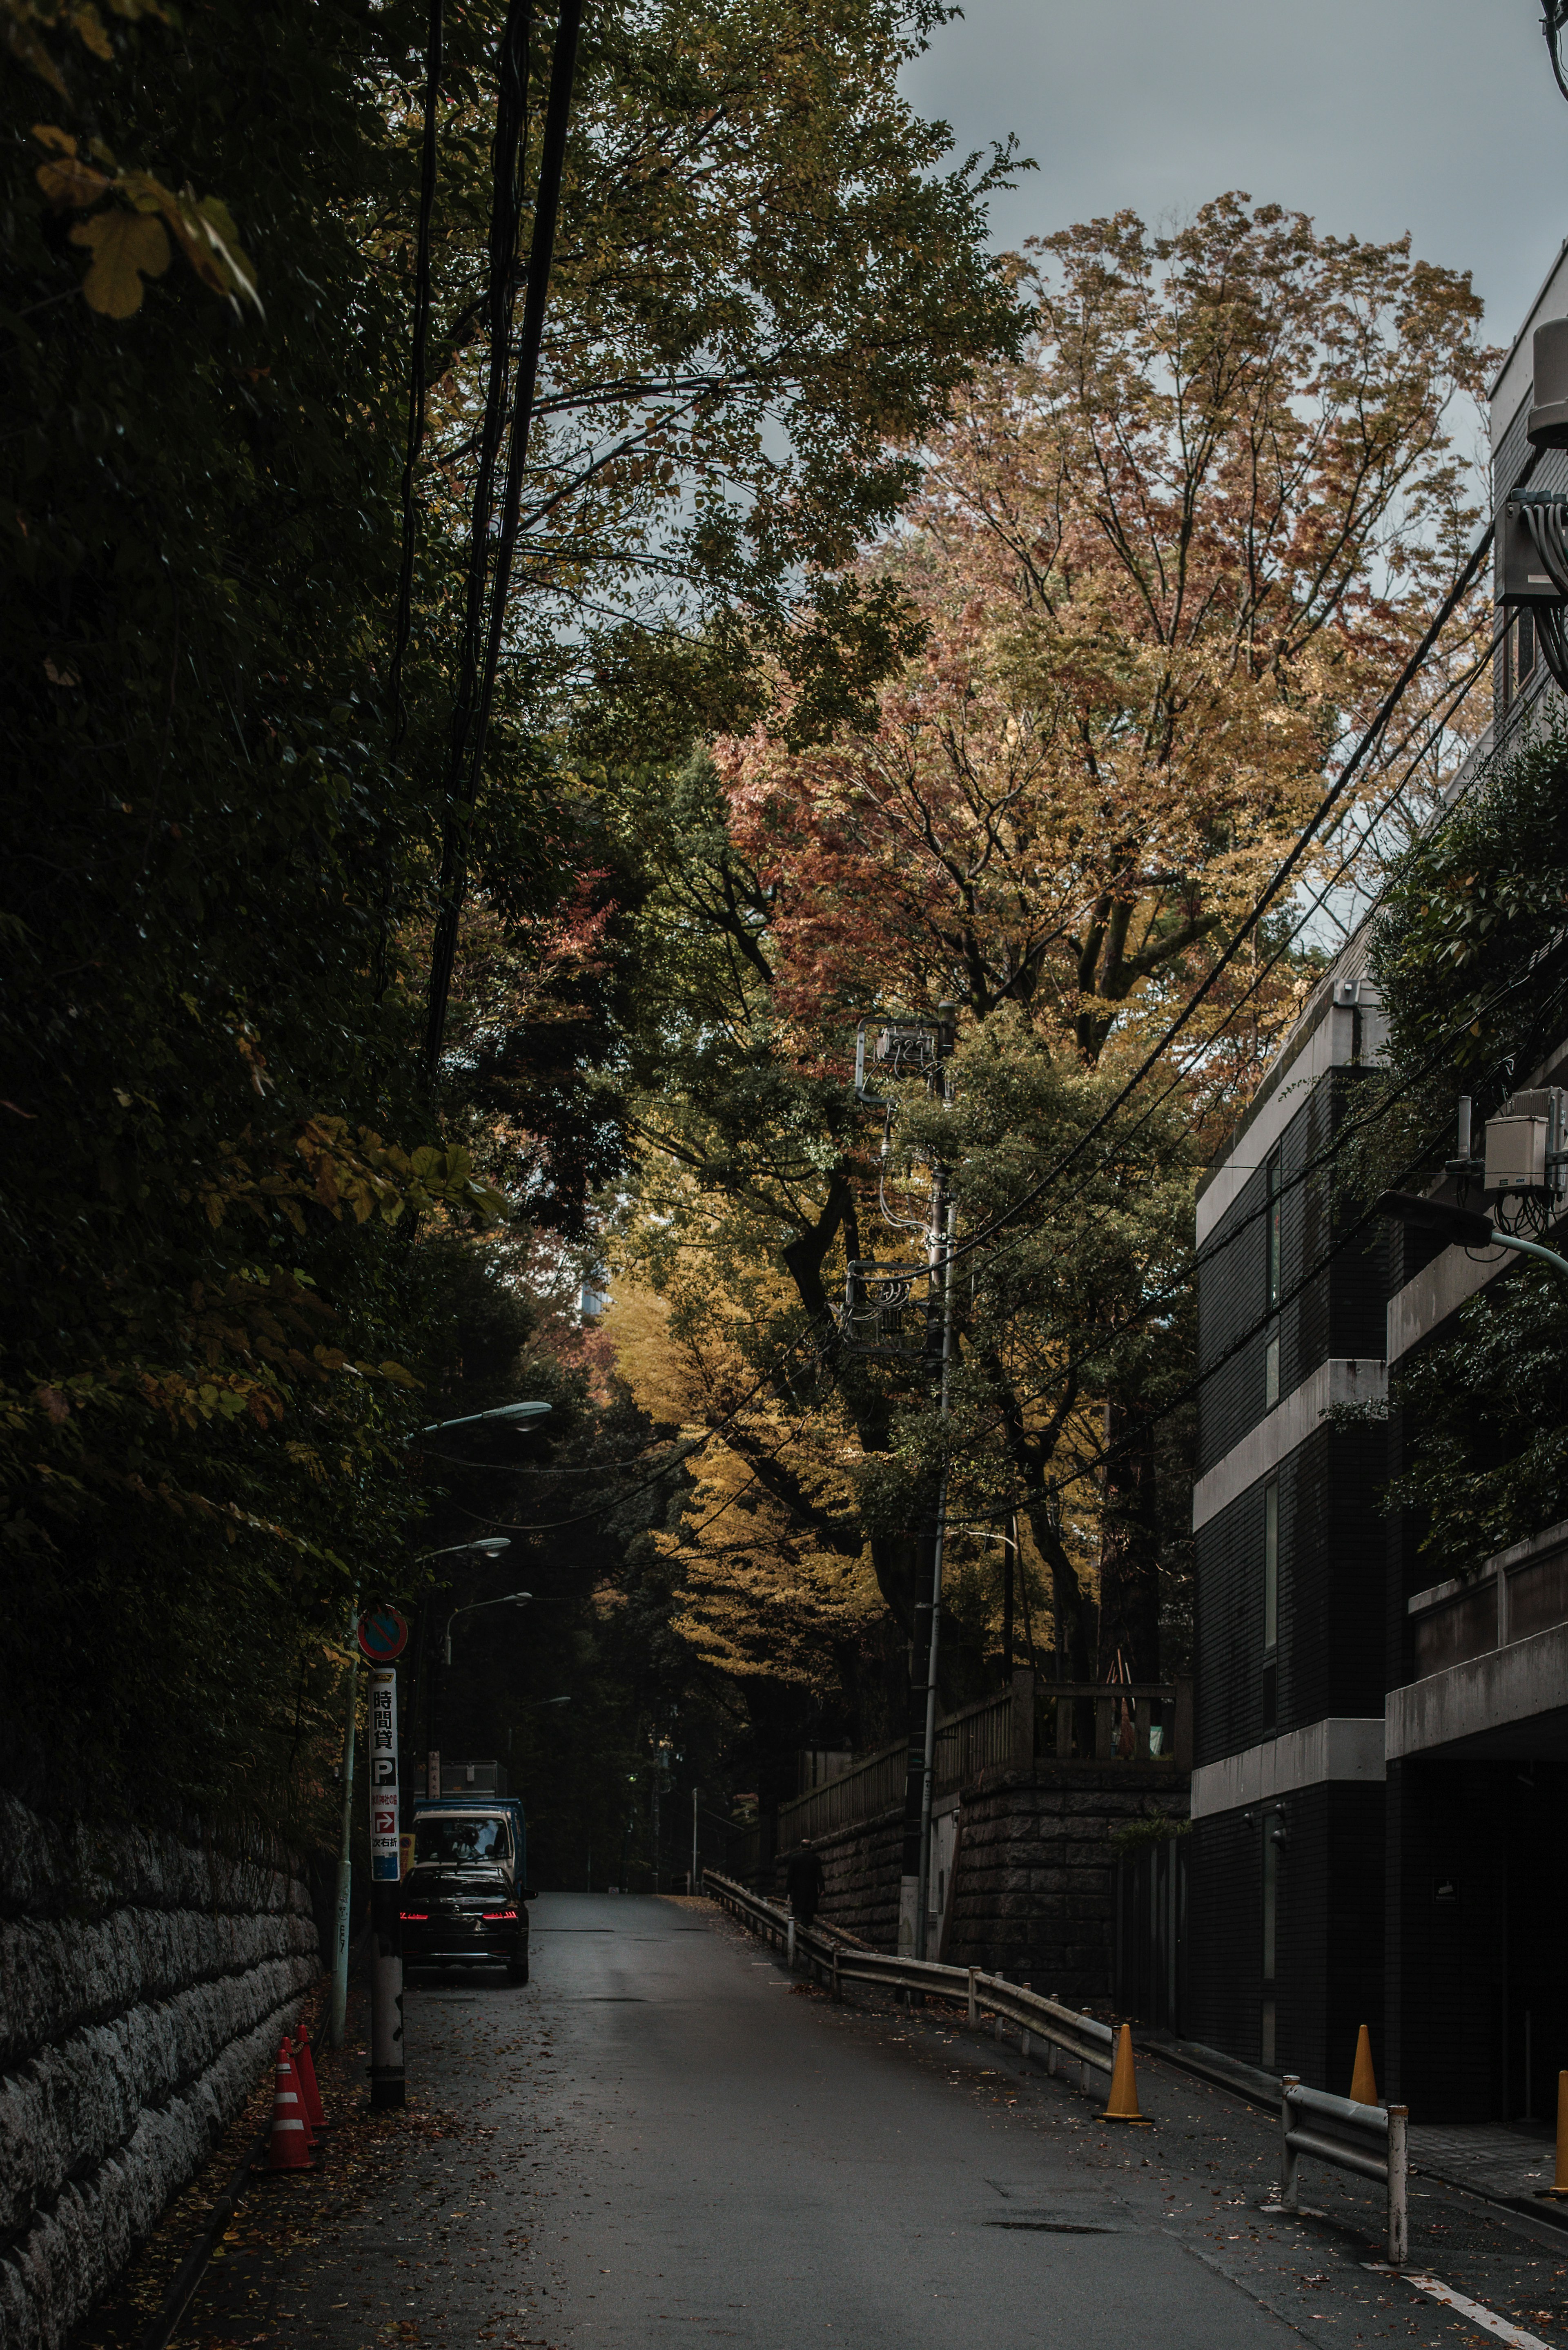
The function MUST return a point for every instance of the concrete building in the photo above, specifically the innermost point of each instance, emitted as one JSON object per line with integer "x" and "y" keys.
{"x": 1381, "y": 1763}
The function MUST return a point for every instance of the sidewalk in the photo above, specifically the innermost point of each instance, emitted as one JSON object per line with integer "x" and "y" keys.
{"x": 1508, "y": 2163}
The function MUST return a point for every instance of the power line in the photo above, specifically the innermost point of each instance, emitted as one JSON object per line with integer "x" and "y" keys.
{"x": 1200, "y": 1378}
{"x": 1282, "y": 874}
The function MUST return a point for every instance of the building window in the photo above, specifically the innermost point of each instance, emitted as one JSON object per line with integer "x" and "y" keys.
{"x": 1270, "y": 1568}
{"x": 1271, "y": 1925}
{"x": 1271, "y": 1606}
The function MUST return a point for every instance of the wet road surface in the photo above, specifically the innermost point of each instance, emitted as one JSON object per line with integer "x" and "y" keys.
{"x": 664, "y": 2136}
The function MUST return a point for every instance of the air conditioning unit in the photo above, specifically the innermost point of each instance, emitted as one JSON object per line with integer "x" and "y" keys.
{"x": 1524, "y": 1145}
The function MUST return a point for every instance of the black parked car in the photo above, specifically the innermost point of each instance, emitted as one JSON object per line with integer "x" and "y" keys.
{"x": 463, "y": 1899}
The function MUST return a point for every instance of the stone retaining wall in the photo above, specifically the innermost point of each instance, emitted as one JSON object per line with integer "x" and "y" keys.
{"x": 1035, "y": 1894}
{"x": 144, "y": 1982}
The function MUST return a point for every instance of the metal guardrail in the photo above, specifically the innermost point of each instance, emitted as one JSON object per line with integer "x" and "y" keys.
{"x": 1371, "y": 2140}
{"x": 1083, "y": 2040}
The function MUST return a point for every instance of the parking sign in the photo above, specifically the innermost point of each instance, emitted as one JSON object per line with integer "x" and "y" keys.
{"x": 385, "y": 1857}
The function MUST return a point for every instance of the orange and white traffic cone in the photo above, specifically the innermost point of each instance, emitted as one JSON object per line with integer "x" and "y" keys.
{"x": 1123, "y": 2105}
{"x": 290, "y": 2145}
{"x": 305, "y": 2066}
{"x": 1363, "y": 2079}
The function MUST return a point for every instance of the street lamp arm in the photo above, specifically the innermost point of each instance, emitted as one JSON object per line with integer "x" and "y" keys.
{"x": 507, "y": 1599}
{"x": 1530, "y": 1248}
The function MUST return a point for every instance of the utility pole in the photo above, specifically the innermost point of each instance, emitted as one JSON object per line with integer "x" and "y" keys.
{"x": 695, "y": 1792}
{"x": 915, "y": 1874}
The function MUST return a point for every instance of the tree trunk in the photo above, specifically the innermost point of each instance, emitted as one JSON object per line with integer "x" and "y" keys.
{"x": 1070, "y": 1603}
{"x": 1130, "y": 1552}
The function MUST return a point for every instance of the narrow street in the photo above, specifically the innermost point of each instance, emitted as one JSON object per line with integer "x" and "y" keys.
{"x": 662, "y": 2132}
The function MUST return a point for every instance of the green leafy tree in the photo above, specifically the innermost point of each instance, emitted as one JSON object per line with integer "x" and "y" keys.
{"x": 1469, "y": 957}
{"x": 221, "y": 851}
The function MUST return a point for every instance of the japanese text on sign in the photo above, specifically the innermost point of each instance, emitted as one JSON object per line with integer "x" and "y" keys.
{"x": 386, "y": 1861}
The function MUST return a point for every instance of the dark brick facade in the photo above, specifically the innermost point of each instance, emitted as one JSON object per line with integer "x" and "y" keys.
{"x": 1328, "y": 1655}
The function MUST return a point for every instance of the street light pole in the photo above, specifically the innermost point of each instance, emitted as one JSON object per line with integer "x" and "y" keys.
{"x": 929, "y": 1759}
{"x": 427, "y": 1667}
{"x": 342, "y": 1918}
{"x": 915, "y": 1871}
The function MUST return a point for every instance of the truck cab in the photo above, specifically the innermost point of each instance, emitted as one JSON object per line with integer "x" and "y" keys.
{"x": 464, "y": 1899}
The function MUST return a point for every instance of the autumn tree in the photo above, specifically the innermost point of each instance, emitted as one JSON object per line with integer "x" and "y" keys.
{"x": 1157, "y": 575}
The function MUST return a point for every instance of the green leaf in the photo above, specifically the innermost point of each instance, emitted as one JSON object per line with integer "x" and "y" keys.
{"x": 127, "y": 248}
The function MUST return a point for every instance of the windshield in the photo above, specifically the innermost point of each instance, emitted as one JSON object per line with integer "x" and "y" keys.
{"x": 464, "y": 1843}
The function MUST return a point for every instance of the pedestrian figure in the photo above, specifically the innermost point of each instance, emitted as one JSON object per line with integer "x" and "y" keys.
{"x": 804, "y": 1881}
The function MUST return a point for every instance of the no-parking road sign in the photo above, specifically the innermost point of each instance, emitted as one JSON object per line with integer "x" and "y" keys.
{"x": 383, "y": 1635}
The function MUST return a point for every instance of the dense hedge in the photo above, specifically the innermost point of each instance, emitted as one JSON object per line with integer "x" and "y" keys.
{"x": 1471, "y": 955}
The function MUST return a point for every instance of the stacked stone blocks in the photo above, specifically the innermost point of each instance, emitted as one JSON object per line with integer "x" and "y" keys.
{"x": 144, "y": 1980}
{"x": 1034, "y": 1895}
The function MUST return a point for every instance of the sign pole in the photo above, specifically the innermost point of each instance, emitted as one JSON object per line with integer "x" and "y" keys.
{"x": 343, "y": 1918}
{"x": 386, "y": 1861}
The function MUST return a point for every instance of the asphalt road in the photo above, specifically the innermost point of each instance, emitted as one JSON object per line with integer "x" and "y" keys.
{"x": 664, "y": 2138}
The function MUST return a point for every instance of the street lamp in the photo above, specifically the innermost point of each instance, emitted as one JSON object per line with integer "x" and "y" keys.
{"x": 490, "y": 1544}
{"x": 1462, "y": 1227}
{"x": 513, "y": 1411}
{"x": 507, "y": 1599}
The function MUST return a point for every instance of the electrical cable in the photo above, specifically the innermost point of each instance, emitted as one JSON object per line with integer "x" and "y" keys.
{"x": 1174, "y": 1281}
{"x": 1436, "y": 724}
{"x": 1207, "y": 1256}
{"x": 1178, "y": 1279}
{"x": 1200, "y": 1378}
{"x": 1004, "y": 1216}
{"x": 1261, "y": 905}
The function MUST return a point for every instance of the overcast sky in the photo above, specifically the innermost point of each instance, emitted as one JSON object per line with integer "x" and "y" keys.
{"x": 1374, "y": 116}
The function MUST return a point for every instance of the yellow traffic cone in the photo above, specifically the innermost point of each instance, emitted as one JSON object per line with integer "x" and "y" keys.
{"x": 1558, "y": 2190}
{"x": 1123, "y": 2106}
{"x": 1364, "y": 2080}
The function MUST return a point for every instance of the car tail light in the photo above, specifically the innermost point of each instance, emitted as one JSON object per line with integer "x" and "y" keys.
{"x": 419, "y": 1916}
{"x": 493, "y": 1917}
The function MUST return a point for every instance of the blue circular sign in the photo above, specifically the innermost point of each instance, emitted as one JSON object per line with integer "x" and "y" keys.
{"x": 383, "y": 1635}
